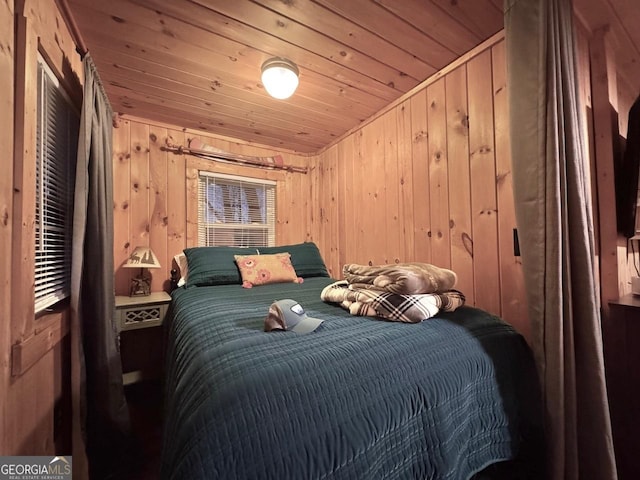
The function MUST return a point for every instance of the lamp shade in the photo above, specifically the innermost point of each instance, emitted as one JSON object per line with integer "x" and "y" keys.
{"x": 142, "y": 257}
{"x": 280, "y": 77}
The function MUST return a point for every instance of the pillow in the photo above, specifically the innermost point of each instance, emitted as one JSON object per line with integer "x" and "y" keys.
{"x": 265, "y": 269}
{"x": 217, "y": 266}
{"x": 305, "y": 258}
{"x": 183, "y": 267}
{"x": 214, "y": 265}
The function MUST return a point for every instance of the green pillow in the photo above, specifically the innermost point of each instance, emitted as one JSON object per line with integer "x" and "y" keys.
{"x": 217, "y": 265}
{"x": 214, "y": 265}
{"x": 305, "y": 258}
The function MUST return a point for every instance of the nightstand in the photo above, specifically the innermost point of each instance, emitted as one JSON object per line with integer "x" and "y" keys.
{"x": 141, "y": 312}
{"x": 623, "y": 382}
{"x": 140, "y": 345}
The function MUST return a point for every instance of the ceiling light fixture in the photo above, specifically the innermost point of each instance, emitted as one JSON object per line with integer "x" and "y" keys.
{"x": 280, "y": 77}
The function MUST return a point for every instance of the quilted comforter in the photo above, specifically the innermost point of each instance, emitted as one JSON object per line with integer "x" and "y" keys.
{"x": 359, "y": 398}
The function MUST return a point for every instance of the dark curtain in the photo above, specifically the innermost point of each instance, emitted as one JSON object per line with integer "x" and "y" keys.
{"x": 553, "y": 212}
{"x": 104, "y": 416}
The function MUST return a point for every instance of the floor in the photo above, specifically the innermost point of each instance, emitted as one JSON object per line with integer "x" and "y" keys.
{"x": 145, "y": 407}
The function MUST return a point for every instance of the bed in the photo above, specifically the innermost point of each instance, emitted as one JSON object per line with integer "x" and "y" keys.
{"x": 358, "y": 398}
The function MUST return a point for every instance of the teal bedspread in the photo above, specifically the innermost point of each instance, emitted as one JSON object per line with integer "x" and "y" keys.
{"x": 359, "y": 398}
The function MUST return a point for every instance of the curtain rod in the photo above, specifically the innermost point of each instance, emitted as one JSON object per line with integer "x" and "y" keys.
{"x": 233, "y": 158}
{"x": 81, "y": 47}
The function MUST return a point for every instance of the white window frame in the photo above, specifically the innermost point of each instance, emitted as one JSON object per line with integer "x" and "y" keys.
{"x": 58, "y": 124}
{"x": 224, "y": 231}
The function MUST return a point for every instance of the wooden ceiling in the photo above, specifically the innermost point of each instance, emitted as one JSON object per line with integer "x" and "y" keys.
{"x": 196, "y": 63}
{"x": 621, "y": 19}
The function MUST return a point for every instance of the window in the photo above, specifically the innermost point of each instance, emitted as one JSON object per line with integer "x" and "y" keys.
{"x": 235, "y": 211}
{"x": 56, "y": 151}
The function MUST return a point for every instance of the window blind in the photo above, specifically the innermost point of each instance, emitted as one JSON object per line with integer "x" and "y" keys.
{"x": 235, "y": 211}
{"x": 56, "y": 151}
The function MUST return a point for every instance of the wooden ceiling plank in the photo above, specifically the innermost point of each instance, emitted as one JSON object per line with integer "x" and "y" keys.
{"x": 184, "y": 40}
{"x": 300, "y": 35}
{"x": 311, "y": 65}
{"x": 183, "y": 55}
{"x": 182, "y": 102}
{"x": 427, "y": 17}
{"x": 181, "y": 20}
{"x": 390, "y": 28}
{"x": 196, "y": 63}
{"x": 420, "y": 20}
{"x": 100, "y": 24}
{"x": 184, "y": 119}
{"x": 621, "y": 18}
{"x": 137, "y": 67}
{"x": 315, "y": 95}
{"x": 627, "y": 13}
{"x": 479, "y": 16}
{"x": 229, "y": 111}
{"x": 627, "y": 19}
{"x": 346, "y": 32}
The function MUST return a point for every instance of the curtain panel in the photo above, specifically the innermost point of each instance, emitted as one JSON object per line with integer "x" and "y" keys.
{"x": 553, "y": 212}
{"x": 104, "y": 416}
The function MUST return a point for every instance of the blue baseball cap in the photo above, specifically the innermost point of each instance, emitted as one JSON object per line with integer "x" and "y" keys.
{"x": 289, "y": 315}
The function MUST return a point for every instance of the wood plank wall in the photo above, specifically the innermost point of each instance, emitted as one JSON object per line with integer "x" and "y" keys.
{"x": 617, "y": 97}
{"x": 6, "y": 211}
{"x": 155, "y": 193}
{"x": 35, "y": 371}
{"x": 428, "y": 180}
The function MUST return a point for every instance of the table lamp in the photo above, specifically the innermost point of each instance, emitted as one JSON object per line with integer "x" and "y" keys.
{"x": 142, "y": 258}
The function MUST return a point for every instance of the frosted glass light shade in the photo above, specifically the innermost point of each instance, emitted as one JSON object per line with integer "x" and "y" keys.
{"x": 280, "y": 77}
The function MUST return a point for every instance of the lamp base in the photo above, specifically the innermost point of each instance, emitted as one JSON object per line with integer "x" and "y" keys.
{"x": 141, "y": 285}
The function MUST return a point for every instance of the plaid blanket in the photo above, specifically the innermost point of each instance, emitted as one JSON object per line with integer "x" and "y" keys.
{"x": 390, "y": 306}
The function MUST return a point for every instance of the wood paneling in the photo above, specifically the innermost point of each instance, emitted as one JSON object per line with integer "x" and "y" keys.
{"x": 159, "y": 220}
{"x": 429, "y": 180}
{"x": 426, "y": 180}
{"x": 460, "y": 180}
{"x": 606, "y": 135}
{"x": 405, "y": 176}
{"x": 26, "y": 354}
{"x": 6, "y": 211}
{"x": 197, "y": 63}
{"x": 438, "y": 175}
{"x": 484, "y": 207}
{"x": 177, "y": 200}
{"x": 121, "y": 203}
{"x": 24, "y": 179}
{"x": 621, "y": 93}
{"x": 41, "y": 378}
{"x": 512, "y": 287}
{"x": 620, "y": 19}
{"x": 391, "y": 191}
{"x": 155, "y": 193}
{"x": 420, "y": 178}
{"x": 372, "y": 202}
{"x": 370, "y": 197}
